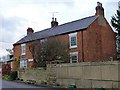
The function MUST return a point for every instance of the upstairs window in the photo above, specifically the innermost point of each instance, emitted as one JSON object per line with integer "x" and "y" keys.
{"x": 73, "y": 57}
{"x": 43, "y": 41}
{"x": 23, "y": 48}
{"x": 73, "y": 40}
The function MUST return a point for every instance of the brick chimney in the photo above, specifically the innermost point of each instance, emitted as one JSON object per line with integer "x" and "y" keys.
{"x": 29, "y": 30}
{"x": 99, "y": 9}
{"x": 54, "y": 23}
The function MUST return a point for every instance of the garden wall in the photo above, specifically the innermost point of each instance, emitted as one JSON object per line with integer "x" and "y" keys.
{"x": 83, "y": 75}
{"x": 36, "y": 74}
{"x": 90, "y": 74}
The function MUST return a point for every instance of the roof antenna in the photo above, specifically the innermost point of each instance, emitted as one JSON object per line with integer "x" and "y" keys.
{"x": 53, "y": 14}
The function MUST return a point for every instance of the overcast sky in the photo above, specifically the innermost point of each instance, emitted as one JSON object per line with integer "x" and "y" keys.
{"x": 17, "y": 15}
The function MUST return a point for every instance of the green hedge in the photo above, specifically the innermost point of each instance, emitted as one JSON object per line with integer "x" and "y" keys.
{"x": 7, "y": 77}
{"x": 13, "y": 75}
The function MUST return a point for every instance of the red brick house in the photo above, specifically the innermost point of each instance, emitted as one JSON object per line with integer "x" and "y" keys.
{"x": 90, "y": 39}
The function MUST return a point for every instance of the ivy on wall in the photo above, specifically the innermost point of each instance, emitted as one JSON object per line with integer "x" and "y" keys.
{"x": 17, "y": 63}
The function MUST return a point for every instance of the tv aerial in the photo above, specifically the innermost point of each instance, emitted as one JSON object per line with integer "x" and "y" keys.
{"x": 53, "y": 13}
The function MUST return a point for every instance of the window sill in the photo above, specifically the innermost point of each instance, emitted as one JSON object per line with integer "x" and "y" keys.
{"x": 23, "y": 53}
{"x": 71, "y": 47}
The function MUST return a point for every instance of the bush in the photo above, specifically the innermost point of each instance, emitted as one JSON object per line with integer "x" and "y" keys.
{"x": 44, "y": 82}
{"x": 7, "y": 77}
{"x": 6, "y": 69}
{"x": 31, "y": 81}
{"x": 13, "y": 75}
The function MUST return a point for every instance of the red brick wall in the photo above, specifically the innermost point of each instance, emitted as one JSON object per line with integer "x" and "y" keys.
{"x": 108, "y": 42}
{"x": 28, "y": 53}
{"x": 98, "y": 43}
{"x": 17, "y": 50}
{"x": 79, "y": 46}
{"x": 17, "y": 53}
{"x": 92, "y": 42}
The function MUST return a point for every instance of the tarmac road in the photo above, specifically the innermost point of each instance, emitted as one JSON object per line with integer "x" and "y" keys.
{"x": 10, "y": 85}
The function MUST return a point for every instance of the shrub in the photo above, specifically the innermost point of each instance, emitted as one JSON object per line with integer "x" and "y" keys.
{"x": 44, "y": 82}
{"x": 31, "y": 81}
{"x": 13, "y": 75}
{"x": 7, "y": 77}
{"x": 6, "y": 69}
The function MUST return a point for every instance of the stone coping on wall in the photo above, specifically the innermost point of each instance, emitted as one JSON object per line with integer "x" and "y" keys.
{"x": 90, "y": 70}
{"x": 87, "y": 64}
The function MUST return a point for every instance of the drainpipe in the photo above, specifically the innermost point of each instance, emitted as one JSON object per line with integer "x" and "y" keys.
{"x": 82, "y": 47}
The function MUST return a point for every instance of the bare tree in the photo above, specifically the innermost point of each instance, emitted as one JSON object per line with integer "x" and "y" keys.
{"x": 34, "y": 48}
{"x": 47, "y": 50}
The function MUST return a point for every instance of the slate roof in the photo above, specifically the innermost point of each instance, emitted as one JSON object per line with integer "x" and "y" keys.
{"x": 60, "y": 29}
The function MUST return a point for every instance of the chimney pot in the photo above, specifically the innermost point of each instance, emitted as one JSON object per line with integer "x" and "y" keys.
{"x": 53, "y": 19}
{"x": 99, "y": 4}
{"x": 54, "y": 23}
{"x": 29, "y": 30}
{"x": 99, "y": 9}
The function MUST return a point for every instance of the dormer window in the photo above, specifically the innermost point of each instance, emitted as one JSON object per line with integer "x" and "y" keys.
{"x": 73, "y": 40}
{"x": 23, "y": 49}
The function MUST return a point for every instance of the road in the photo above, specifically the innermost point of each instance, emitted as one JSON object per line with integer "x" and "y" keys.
{"x": 12, "y": 85}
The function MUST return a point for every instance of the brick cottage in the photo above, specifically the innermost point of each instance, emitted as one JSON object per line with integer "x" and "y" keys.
{"x": 90, "y": 39}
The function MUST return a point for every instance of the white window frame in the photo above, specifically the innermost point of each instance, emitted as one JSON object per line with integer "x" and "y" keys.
{"x": 73, "y": 54}
{"x": 70, "y": 36}
{"x": 23, "y": 63}
{"x": 43, "y": 41}
{"x": 23, "y": 49}
{"x": 30, "y": 60}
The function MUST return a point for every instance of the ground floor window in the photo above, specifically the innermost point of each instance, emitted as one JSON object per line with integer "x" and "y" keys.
{"x": 23, "y": 63}
{"x": 73, "y": 57}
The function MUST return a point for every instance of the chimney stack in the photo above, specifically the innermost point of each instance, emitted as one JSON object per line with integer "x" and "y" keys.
{"x": 29, "y": 31}
{"x": 54, "y": 23}
{"x": 99, "y": 9}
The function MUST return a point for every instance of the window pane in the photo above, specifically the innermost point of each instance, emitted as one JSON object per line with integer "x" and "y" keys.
{"x": 73, "y": 41}
{"x": 74, "y": 61}
{"x": 23, "y": 46}
{"x": 23, "y": 63}
{"x": 73, "y": 57}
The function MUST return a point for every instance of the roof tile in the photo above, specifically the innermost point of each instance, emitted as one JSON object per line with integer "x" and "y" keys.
{"x": 60, "y": 29}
